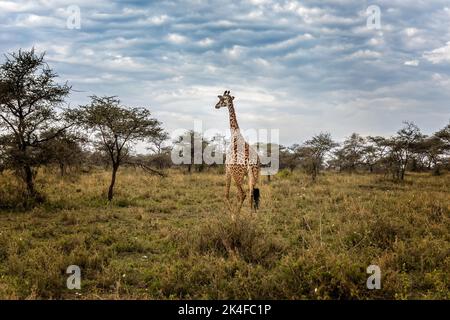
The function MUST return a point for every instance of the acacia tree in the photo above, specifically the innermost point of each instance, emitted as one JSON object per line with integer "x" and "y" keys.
{"x": 433, "y": 148}
{"x": 157, "y": 143}
{"x": 444, "y": 134}
{"x": 396, "y": 152}
{"x": 374, "y": 151}
{"x": 115, "y": 129}
{"x": 160, "y": 156}
{"x": 288, "y": 157}
{"x": 29, "y": 97}
{"x": 402, "y": 146}
{"x": 64, "y": 151}
{"x": 431, "y": 151}
{"x": 189, "y": 140}
{"x": 352, "y": 152}
{"x": 2, "y": 154}
{"x": 313, "y": 152}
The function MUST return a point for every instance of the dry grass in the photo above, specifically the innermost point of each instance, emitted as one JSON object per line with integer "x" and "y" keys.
{"x": 169, "y": 238}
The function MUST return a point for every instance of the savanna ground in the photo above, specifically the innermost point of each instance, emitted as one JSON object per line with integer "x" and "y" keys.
{"x": 170, "y": 238}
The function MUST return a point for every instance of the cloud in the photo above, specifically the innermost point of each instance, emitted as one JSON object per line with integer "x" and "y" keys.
{"x": 176, "y": 38}
{"x": 413, "y": 63}
{"x": 34, "y": 20}
{"x": 206, "y": 42}
{"x": 365, "y": 54}
{"x": 438, "y": 55}
{"x": 158, "y": 20}
{"x": 410, "y": 31}
{"x": 302, "y": 67}
{"x": 11, "y": 6}
{"x": 235, "y": 52}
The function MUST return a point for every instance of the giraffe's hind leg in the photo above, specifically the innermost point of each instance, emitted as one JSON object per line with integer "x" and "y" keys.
{"x": 253, "y": 183}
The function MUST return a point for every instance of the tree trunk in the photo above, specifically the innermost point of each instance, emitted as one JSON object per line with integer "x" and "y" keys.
{"x": 402, "y": 173}
{"x": 404, "y": 169}
{"x": 62, "y": 169}
{"x": 113, "y": 182}
{"x": 314, "y": 173}
{"x": 29, "y": 180}
{"x": 414, "y": 165}
{"x": 436, "y": 170}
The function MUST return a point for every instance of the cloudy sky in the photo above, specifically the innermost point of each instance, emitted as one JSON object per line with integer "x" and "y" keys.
{"x": 299, "y": 66}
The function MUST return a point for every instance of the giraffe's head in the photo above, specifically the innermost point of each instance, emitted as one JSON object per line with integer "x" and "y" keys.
{"x": 225, "y": 100}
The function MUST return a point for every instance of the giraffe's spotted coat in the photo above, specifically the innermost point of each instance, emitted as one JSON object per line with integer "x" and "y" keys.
{"x": 241, "y": 159}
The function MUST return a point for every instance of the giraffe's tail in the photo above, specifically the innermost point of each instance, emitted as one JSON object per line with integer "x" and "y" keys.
{"x": 256, "y": 197}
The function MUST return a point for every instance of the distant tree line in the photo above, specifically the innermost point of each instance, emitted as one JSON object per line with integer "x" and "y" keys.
{"x": 36, "y": 131}
{"x": 409, "y": 149}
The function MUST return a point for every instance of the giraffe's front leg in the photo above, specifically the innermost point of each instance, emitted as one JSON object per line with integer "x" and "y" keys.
{"x": 241, "y": 196}
{"x": 227, "y": 189}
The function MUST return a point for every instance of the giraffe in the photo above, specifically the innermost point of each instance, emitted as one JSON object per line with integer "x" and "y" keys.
{"x": 241, "y": 160}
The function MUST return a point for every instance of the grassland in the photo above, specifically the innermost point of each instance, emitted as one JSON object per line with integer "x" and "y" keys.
{"x": 170, "y": 238}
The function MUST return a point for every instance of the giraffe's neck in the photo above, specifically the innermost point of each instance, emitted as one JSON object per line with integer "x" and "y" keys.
{"x": 233, "y": 121}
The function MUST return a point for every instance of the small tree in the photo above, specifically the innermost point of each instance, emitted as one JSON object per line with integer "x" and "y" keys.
{"x": 3, "y": 156}
{"x": 313, "y": 152}
{"x": 217, "y": 146}
{"x": 64, "y": 151}
{"x": 162, "y": 159}
{"x": 444, "y": 134}
{"x": 432, "y": 151}
{"x": 377, "y": 153}
{"x": 157, "y": 143}
{"x": 396, "y": 152}
{"x": 188, "y": 140}
{"x": 116, "y": 128}
{"x": 402, "y": 146}
{"x": 288, "y": 157}
{"x": 350, "y": 156}
{"x": 29, "y": 97}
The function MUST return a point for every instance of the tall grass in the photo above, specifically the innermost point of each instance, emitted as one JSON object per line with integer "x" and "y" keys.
{"x": 169, "y": 238}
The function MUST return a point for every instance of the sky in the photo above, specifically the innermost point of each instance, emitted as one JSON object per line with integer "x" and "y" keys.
{"x": 301, "y": 67}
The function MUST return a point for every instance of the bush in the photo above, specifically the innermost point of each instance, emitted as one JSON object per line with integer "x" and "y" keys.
{"x": 284, "y": 173}
{"x": 242, "y": 238}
